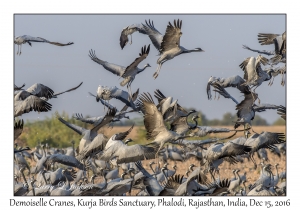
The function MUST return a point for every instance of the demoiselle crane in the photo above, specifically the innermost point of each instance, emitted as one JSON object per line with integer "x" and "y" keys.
{"x": 127, "y": 73}
{"x": 129, "y": 30}
{"x": 107, "y": 93}
{"x": 115, "y": 148}
{"x": 28, "y": 39}
{"x": 168, "y": 44}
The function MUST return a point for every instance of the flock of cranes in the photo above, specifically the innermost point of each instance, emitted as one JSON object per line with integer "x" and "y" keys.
{"x": 122, "y": 166}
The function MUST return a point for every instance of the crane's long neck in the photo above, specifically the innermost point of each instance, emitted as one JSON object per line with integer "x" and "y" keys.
{"x": 33, "y": 190}
{"x": 140, "y": 70}
{"x": 234, "y": 174}
{"x": 152, "y": 168}
{"x": 186, "y": 119}
{"x": 22, "y": 172}
{"x": 245, "y": 189}
{"x": 163, "y": 170}
{"x": 153, "y": 171}
{"x": 238, "y": 177}
{"x": 194, "y": 126}
{"x": 43, "y": 174}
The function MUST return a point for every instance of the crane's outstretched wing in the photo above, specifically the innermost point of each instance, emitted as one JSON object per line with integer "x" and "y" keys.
{"x": 233, "y": 81}
{"x": 96, "y": 146}
{"x": 219, "y": 89}
{"x": 74, "y": 88}
{"x": 127, "y": 154}
{"x": 161, "y": 99}
{"x": 90, "y": 120}
{"x": 243, "y": 66}
{"x": 282, "y": 112}
{"x": 41, "y": 90}
{"x": 143, "y": 55}
{"x": 113, "y": 68}
{"x": 202, "y": 131}
{"x": 266, "y": 39}
{"x": 121, "y": 136}
{"x": 109, "y": 116}
{"x": 29, "y": 39}
{"x": 122, "y": 96}
{"x": 263, "y": 107}
{"x": 64, "y": 159}
{"x": 21, "y": 150}
{"x": 266, "y": 52}
{"x": 134, "y": 96}
{"x": 106, "y": 104}
{"x": 231, "y": 149}
{"x": 18, "y": 128}
{"x": 195, "y": 142}
{"x": 75, "y": 128}
{"x": 155, "y": 36}
{"x": 153, "y": 119}
{"x": 18, "y": 88}
{"x": 264, "y": 140}
{"x": 172, "y": 36}
{"x": 54, "y": 43}
{"x": 228, "y": 151}
{"x": 31, "y": 103}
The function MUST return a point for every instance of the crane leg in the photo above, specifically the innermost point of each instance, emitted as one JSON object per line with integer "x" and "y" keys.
{"x": 155, "y": 75}
{"x": 215, "y": 95}
{"x": 271, "y": 81}
{"x": 131, "y": 39}
{"x": 282, "y": 80}
{"x": 212, "y": 176}
{"x": 20, "y": 50}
